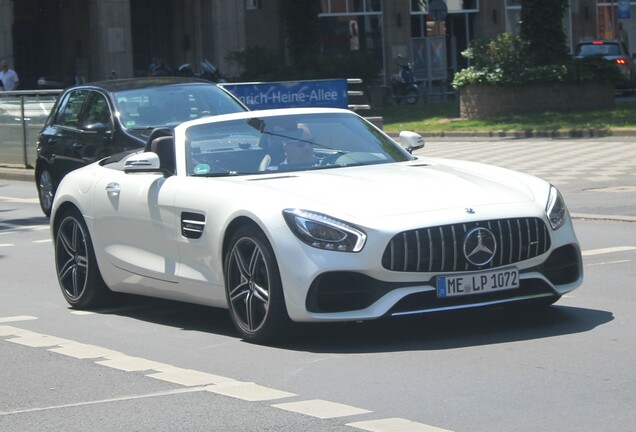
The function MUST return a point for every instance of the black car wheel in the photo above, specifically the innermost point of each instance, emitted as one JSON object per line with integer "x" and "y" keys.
{"x": 46, "y": 190}
{"x": 75, "y": 263}
{"x": 253, "y": 287}
{"x": 411, "y": 97}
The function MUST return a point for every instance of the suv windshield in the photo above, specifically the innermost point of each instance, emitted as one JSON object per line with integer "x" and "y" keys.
{"x": 171, "y": 105}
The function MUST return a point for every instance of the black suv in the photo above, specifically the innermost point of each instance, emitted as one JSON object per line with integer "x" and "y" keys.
{"x": 93, "y": 121}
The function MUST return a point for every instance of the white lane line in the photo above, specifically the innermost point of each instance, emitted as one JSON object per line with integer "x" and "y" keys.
{"x": 17, "y": 318}
{"x": 81, "y": 312}
{"x": 395, "y": 425}
{"x": 322, "y": 409}
{"x": 187, "y": 377}
{"x": 16, "y": 200}
{"x": 103, "y": 401}
{"x": 608, "y": 262}
{"x": 608, "y": 250}
{"x": 6, "y": 244}
{"x": 130, "y": 364}
{"x": 248, "y": 391}
{"x": 36, "y": 340}
{"x": 83, "y": 351}
{"x": 43, "y": 241}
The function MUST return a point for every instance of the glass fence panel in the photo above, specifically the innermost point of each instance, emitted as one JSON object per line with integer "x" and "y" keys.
{"x": 18, "y": 133}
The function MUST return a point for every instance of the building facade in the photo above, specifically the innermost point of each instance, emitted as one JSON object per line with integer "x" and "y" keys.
{"x": 97, "y": 39}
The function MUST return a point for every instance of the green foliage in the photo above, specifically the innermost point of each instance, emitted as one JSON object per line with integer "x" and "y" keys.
{"x": 504, "y": 61}
{"x": 259, "y": 64}
{"x": 542, "y": 30}
{"x": 302, "y": 26}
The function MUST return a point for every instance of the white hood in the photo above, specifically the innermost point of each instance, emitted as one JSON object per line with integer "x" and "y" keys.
{"x": 403, "y": 188}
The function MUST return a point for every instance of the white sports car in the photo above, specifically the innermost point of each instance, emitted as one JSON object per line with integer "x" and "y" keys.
{"x": 308, "y": 215}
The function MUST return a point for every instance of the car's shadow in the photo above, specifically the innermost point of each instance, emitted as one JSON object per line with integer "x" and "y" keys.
{"x": 423, "y": 332}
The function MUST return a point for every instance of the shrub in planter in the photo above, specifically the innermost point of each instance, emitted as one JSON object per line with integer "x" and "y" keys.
{"x": 501, "y": 64}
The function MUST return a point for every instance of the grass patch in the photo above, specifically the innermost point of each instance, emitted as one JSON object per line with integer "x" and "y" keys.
{"x": 444, "y": 117}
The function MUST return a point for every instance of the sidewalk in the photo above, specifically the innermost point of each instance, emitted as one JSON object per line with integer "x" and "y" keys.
{"x": 21, "y": 174}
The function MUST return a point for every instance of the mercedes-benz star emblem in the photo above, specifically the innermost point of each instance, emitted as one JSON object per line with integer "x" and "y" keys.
{"x": 480, "y": 246}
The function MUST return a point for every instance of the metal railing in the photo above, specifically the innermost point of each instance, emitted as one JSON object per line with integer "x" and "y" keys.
{"x": 22, "y": 115}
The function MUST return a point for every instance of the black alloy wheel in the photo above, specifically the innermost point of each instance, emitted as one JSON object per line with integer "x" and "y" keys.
{"x": 254, "y": 289}
{"x": 75, "y": 263}
{"x": 46, "y": 191}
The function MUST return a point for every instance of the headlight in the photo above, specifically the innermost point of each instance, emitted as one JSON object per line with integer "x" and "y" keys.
{"x": 324, "y": 232}
{"x": 556, "y": 209}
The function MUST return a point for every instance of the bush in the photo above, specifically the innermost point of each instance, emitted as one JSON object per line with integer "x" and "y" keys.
{"x": 502, "y": 62}
{"x": 259, "y": 64}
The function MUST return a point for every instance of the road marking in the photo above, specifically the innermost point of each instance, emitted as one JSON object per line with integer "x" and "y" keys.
{"x": 188, "y": 377}
{"x": 6, "y": 244}
{"x": 81, "y": 312}
{"x": 17, "y": 318}
{"x": 43, "y": 241}
{"x": 248, "y": 391}
{"x": 83, "y": 351}
{"x": 130, "y": 364}
{"x": 322, "y": 409}
{"x": 608, "y": 250}
{"x": 395, "y": 425}
{"x": 19, "y": 200}
{"x": 103, "y": 401}
{"x": 609, "y": 262}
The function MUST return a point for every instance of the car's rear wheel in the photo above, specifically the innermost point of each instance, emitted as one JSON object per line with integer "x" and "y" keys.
{"x": 46, "y": 190}
{"x": 75, "y": 263}
{"x": 253, "y": 287}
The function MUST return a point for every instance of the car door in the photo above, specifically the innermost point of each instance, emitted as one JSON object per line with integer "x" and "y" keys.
{"x": 97, "y": 128}
{"x": 63, "y": 135}
{"x": 135, "y": 231}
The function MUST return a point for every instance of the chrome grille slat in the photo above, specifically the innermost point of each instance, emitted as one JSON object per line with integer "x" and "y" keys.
{"x": 440, "y": 248}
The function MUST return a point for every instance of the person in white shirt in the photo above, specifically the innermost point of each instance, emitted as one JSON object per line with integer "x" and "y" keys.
{"x": 8, "y": 77}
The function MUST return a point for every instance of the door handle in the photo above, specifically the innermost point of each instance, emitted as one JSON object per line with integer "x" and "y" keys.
{"x": 113, "y": 189}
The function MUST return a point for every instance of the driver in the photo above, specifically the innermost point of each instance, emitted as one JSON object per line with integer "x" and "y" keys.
{"x": 299, "y": 148}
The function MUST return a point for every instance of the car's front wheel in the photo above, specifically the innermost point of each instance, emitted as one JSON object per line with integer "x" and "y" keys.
{"x": 75, "y": 263}
{"x": 46, "y": 190}
{"x": 253, "y": 287}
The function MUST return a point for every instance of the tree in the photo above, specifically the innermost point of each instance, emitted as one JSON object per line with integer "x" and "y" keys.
{"x": 542, "y": 29}
{"x": 302, "y": 27}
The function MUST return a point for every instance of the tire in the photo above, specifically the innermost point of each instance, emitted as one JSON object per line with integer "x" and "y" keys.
{"x": 75, "y": 264}
{"x": 411, "y": 97}
{"x": 254, "y": 289}
{"x": 46, "y": 190}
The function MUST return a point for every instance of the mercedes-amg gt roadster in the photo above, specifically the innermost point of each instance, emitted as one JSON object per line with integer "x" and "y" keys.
{"x": 308, "y": 215}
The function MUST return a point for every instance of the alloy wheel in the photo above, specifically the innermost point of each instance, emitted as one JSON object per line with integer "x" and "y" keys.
{"x": 71, "y": 253}
{"x": 248, "y": 285}
{"x": 46, "y": 191}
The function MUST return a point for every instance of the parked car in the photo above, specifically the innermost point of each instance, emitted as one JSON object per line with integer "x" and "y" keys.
{"x": 92, "y": 121}
{"x": 613, "y": 50}
{"x": 308, "y": 215}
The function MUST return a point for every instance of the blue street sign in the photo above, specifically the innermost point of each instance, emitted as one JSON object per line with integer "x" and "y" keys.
{"x": 320, "y": 93}
{"x": 624, "y": 11}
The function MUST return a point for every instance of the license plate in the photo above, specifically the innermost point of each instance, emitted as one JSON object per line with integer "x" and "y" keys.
{"x": 477, "y": 282}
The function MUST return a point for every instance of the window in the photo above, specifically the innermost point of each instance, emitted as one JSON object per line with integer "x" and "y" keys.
{"x": 70, "y": 113}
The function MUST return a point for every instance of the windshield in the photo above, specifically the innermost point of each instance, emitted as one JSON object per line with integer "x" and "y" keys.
{"x": 287, "y": 143}
{"x": 599, "y": 49}
{"x": 152, "y": 107}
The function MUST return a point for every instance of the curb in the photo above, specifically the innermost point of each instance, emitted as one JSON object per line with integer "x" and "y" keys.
{"x": 20, "y": 174}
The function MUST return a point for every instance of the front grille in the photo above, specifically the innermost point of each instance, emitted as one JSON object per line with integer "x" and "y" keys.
{"x": 441, "y": 249}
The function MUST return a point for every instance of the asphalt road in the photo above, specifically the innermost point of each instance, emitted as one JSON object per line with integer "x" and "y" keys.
{"x": 164, "y": 366}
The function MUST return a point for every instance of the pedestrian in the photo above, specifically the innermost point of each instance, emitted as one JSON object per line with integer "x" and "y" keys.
{"x": 158, "y": 68}
{"x": 8, "y": 77}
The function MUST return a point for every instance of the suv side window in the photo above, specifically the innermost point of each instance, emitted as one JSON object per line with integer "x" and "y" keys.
{"x": 70, "y": 112}
{"x": 96, "y": 110}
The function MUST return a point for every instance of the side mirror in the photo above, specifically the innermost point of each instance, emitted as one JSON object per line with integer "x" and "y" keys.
{"x": 96, "y": 127}
{"x": 411, "y": 141}
{"x": 142, "y": 162}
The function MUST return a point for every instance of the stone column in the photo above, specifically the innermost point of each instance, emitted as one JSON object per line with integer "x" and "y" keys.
{"x": 111, "y": 53}
{"x": 6, "y": 37}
